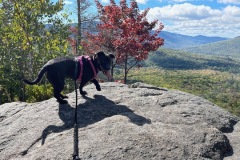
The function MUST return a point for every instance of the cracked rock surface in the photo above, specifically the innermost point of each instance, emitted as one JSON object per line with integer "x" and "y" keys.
{"x": 137, "y": 121}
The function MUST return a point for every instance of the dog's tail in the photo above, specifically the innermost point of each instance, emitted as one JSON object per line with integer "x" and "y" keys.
{"x": 40, "y": 75}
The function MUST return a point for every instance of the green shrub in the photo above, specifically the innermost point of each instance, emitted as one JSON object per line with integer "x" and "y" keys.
{"x": 38, "y": 93}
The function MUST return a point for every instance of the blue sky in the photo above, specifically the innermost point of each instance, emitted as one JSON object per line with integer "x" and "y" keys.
{"x": 188, "y": 17}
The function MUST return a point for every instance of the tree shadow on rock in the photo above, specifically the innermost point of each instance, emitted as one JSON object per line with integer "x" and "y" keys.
{"x": 90, "y": 112}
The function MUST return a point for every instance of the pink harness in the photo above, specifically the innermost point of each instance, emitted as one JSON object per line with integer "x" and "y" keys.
{"x": 81, "y": 66}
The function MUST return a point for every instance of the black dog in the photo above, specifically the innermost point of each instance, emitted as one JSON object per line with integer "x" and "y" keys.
{"x": 82, "y": 68}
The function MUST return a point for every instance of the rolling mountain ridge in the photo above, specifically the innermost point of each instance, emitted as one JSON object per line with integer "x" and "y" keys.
{"x": 180, "y": 60}
{"x": 179, "y": 41}
{"x": 228, "y": 48}
{"x": 171, "y": 40}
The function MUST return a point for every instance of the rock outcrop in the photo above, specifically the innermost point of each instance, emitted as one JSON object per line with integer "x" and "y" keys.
{"x": 139, "y": 122}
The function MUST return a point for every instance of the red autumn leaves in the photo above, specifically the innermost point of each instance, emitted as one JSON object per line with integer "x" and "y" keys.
{"x": 124, "y": 31}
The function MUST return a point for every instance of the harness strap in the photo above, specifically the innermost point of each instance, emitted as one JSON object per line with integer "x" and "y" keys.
{"x": 93, "y": 68}
{"x": 81, "y": 66}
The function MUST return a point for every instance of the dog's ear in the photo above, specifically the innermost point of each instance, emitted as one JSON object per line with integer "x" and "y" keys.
{"x": 99, "y": 54}
{"x": 111, "y": 56}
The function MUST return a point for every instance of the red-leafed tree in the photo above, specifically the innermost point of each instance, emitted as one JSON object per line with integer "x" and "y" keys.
{"x": 126, "y": 32}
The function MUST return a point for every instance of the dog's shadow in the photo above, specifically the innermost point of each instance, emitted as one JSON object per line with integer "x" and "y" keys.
{"x": 92, "y": 111}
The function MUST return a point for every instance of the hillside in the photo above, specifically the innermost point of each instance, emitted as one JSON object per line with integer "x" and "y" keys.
{"x": 177, "y": 41}
{"x": 214, "y": 78}
{"x": 228, "y": 48}
{"x": 181, "y": 60}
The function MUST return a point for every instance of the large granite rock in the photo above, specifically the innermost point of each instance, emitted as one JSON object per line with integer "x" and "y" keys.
{"x": 120, "y": 122}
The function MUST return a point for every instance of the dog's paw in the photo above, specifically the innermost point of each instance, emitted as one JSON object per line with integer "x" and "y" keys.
{"x": 62, "y": 101}
{"x": 83, "y": 93}
{"x": 98, "y": 88}
{"x": 63, "y": 97}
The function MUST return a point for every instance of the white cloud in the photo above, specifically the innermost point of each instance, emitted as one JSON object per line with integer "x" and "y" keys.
{"x": 67, "y": 2}
{"x": 141, "y": 1}
{"x": 180, "y": 0}
{"x": 184, "y": 11}
{"x": 198, "y": 20}
{"x": 229, "y": 1}
{"x": 105, "y": 1}
{"x": 232, "y": 11}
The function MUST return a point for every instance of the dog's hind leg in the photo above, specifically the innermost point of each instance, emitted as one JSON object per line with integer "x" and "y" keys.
{"x": 58, "y": 96}
{"x": 58, "y": 85}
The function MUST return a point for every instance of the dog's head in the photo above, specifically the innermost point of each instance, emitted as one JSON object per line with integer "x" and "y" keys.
{"x": 104, "y": 63}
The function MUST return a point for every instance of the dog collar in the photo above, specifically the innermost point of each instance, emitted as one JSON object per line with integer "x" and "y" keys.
{"x": 81, "y": 66}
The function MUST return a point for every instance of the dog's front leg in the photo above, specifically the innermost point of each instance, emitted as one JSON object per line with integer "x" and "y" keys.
{"x": 96, "y": 84}
{"x": 82, "y": 84}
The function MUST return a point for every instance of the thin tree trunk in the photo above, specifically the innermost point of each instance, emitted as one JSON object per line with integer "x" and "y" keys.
{"x": 79, "y": 25}
{"x": 8, "y": 95}
{"x": 125, "y": 70}
{"x": 112, "y": 73}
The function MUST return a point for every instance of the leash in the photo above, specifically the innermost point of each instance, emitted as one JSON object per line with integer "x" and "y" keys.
{"x": 75, "y": 134}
